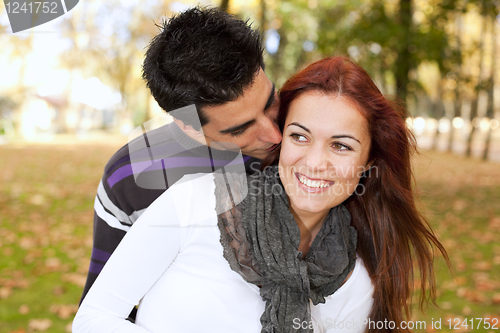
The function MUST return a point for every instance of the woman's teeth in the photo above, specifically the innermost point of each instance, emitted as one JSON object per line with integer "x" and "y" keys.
{"x": 313, "y": 183}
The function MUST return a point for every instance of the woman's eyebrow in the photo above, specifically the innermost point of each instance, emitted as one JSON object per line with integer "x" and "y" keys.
{"x": 301, "y": 126}
{"x": 345, "y": 136}
{"x": 340, "y": 136}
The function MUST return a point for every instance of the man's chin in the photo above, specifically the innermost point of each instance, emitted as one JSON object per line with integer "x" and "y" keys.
{"x": 259, "y": 154}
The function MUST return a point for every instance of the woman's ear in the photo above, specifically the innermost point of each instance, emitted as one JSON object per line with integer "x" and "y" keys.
{"x": 369, "y": 165}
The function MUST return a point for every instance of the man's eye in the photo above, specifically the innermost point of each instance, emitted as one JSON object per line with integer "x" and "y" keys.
{"x": 298, "y": 137}
{"x": 238, "y": 133}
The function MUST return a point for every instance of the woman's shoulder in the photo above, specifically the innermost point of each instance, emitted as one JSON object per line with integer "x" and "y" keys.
{"x": 190, "y": 201}
{"x": 348, "y": 308}
{"x": 359, "y": 283}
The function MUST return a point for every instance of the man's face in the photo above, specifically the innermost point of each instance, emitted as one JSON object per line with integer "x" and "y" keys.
{"x": 249, "y": 121}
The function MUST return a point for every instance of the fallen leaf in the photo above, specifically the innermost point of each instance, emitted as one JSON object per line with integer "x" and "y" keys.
{"x": 53, "y": 263}
{"x": 482, "y": 265}
{"x": 24, "y": 309}
{"x": 37, "y": 199}
{"x": 494, "y": 223}
{"x": 5, "y": 292}
{"x": 77, "y": 279}
{"x": 64, "y": 311}
{"x": 39, "y": 324}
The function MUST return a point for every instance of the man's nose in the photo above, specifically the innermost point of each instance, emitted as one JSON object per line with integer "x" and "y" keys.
{"x": 270, "y": 131}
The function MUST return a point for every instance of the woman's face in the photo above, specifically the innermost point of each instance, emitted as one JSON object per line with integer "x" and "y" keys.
{"x": 324, "y": 151}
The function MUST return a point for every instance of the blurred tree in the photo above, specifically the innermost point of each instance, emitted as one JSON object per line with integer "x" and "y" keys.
{"x": 389, "y": 39}
{"x": 475, "y": 99}
{"x": 224, "y": 5}
{"x": 437, "y": 112}
{"x": 263, "y": 17}
{"x": 490, "y": 84}
{"x": 404, "y": 61}
{"x": 3, "y": 28}
{"x": 456, "y": 76}
{"x": 108, "y": 41}
{"x": 290, "y": 37}
{"x": 15, "y": 48}
{"x": 489, "y": 11}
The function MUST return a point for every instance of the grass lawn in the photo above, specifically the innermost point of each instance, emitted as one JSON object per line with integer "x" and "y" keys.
{"x": 46, "y": 212}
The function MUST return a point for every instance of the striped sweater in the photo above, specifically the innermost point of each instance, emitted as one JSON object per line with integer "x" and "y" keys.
{"x": 137, "y": 174}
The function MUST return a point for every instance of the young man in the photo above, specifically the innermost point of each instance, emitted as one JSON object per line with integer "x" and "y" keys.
{"x": 203, "y": 57}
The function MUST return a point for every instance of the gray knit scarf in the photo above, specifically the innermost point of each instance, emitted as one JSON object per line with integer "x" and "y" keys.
{"x": 261, "y": 238}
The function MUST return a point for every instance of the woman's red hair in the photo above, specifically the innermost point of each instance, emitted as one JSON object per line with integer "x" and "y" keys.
{"x": 392, "y": 234}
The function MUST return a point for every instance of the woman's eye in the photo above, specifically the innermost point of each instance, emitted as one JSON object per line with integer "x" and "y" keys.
{"x": 298, "y": 137}
{"x": 341, "y": 147}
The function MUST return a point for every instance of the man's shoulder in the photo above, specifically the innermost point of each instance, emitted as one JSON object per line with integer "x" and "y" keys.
{"x": 141, "y": 150}
{"x": 140, "y": 171}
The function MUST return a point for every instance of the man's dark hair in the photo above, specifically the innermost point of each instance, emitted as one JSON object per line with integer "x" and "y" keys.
{"x": 202, "y": 56}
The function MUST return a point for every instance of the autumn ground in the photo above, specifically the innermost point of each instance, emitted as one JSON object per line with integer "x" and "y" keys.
{"x": 46, "y": 200}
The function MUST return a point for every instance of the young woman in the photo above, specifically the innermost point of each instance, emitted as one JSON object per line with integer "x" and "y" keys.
{"x": 324, "y": 239}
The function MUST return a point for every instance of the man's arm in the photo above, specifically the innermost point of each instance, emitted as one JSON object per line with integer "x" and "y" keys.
{"x": 108, "y": 233}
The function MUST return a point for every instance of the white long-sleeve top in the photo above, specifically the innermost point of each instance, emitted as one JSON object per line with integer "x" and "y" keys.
{"x": 171, "y": 263}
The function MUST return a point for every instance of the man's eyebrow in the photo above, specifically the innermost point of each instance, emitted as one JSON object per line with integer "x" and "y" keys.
{"x": 271, "y": 98}
{"x": 333, "y": 137}
{"x": 237, "y": 127}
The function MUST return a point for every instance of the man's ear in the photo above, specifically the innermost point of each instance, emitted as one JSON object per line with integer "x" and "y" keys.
{"x": 191, "y": 132}
{"x": 188, "y": 129}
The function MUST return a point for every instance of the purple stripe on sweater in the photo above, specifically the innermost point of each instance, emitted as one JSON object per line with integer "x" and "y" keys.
{"x": 100, "y": 255}
{"x": 95, "y": 268}
{"x": 168, "y": 149}
{"x": 120, "y": 161}
{"x": 173, "y": 162}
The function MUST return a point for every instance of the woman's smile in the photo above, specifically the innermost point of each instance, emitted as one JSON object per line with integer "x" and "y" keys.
{"x": 313, "y": 185}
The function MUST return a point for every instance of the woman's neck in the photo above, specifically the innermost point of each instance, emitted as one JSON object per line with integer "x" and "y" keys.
{"x": 309, "y": 225}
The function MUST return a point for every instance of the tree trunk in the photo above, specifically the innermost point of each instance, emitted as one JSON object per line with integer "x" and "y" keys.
{"x": 475, "y": 101}
{"x": 224, "y": 5}
{"x": 439, "y": 113}
{"x": 403, "y": 62}
{"x": 490, "y": 108}
{"x": 263, "y": 18}
{"x": 457, "y": 113}
{"x": 457, "y": 103}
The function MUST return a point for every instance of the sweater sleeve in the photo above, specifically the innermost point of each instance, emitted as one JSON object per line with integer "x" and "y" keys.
{"x": 146, "y": 251}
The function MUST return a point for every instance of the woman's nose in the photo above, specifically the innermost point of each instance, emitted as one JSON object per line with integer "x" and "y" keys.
{"x": 316, "y": 159}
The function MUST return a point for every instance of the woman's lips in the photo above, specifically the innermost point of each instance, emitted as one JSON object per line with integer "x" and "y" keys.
{"x": 313, "y": 185}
